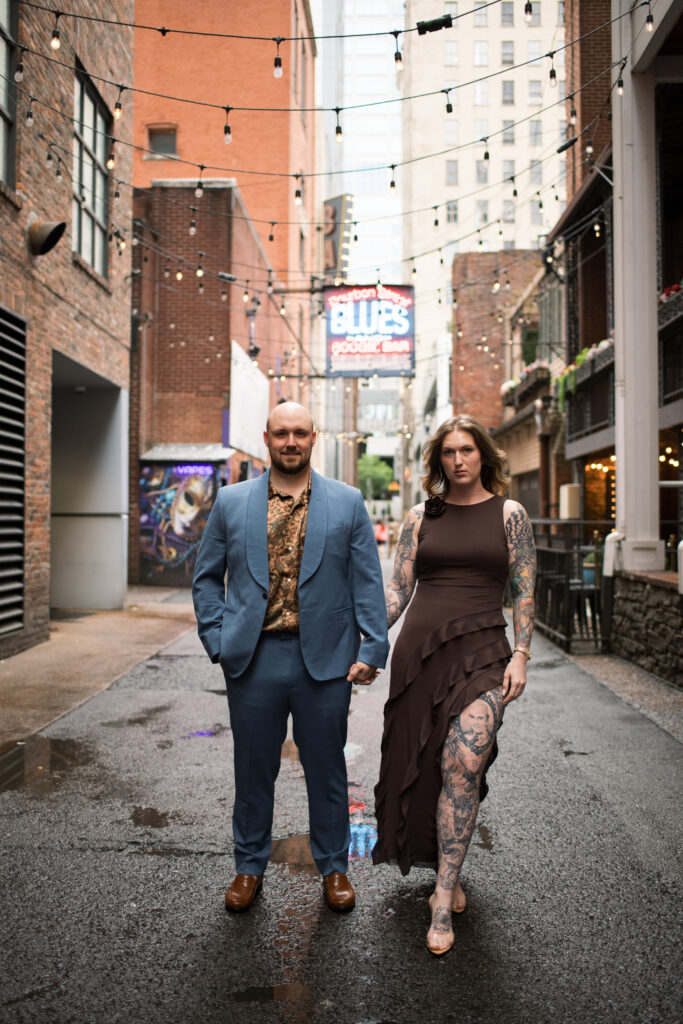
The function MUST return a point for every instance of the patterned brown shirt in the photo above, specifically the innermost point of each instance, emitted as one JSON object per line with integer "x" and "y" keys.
{"x": 287, "y": 519}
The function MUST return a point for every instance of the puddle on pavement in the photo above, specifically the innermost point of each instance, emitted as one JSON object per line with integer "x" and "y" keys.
{"x": 149, "y": 817}
{"x": 295, "y": 852}
{"x": 41, "y": 762}
{"x": 215, "y": 730}
{"x": 293, "y": 992}
{"x": 144, "y": 718}
{"x": 486, "y": 838}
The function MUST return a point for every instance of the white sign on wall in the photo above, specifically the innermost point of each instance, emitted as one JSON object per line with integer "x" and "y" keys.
{"x": 249, "y": 404}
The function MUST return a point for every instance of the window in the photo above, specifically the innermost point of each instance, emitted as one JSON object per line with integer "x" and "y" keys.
{"x": 481, "y": 128}
{"x": 563, "y": 131}
{"x": 482, "y": 212}
{"x": 508, "y": 211}
{"x": 452, "y": 211}
{"x": 536, "y": 172}
{"x": 7, "y": 68}
{"x": 508, "y": 132}
{"x": 452, "y": 9}
{"x": 13, "y": 467}
{"x": 451, "y": 172}
{"x": 562, "y": 87}
{"x": 535, "y": 14}
{"x": 482, "y": 172}
{"x": 451, "y": 133}
{"x": 560, "y": 13}
{"x": 507, "y": 52}
{"x": 90, "y": 205}
{"x": 559, "y": 58}
{"x": 481, "y": 94}
{"x": 535, "y": 133}
{"x": 481, "y": 53}
{"x": 533, "y": 50}
{"x": 536, "y": 212}
{"x": 507, "y": 14}
{"x": 508, "y": 93}
{"x": 451, "y": 57}
{"x": 162, "y": 139}
{"x": 508, "y": 169}
{"x": 509, "y": 243}
{"x": 480, "y": 15}
{"x": 535, "y": 92}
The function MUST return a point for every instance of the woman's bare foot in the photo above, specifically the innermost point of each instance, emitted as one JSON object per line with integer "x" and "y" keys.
{"x": 440, "y": 937}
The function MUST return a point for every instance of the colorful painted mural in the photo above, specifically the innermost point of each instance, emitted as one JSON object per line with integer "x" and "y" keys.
{"x": 175, "y": 501}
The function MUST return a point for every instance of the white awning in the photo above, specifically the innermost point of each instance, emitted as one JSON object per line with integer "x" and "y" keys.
{"x": 187, "y": 453}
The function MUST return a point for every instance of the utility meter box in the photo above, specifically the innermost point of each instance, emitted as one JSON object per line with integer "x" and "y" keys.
{"x": 570, "y": 500}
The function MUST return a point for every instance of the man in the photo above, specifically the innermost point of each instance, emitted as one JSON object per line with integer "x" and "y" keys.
{"x": 303, "y": 582}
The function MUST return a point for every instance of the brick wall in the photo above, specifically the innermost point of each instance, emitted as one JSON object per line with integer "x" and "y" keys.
{"x": 67, "y": 308}
{"x": 476, "y": 388}
{"x": 586, "y": 61}
{"x": 647, "y": 625}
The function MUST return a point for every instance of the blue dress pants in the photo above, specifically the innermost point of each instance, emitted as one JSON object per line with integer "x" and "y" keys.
{"x": 275, "y": 685}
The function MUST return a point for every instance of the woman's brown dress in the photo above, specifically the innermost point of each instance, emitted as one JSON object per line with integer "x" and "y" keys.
{"x": 452, "y": 648}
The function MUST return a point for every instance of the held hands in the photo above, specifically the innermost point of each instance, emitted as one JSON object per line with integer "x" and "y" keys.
{"x": 514, "y": 679}
{"x": 362, "y": 674}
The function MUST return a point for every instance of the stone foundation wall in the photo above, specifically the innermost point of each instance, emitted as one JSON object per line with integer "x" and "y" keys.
{"x": 647, "y": 624}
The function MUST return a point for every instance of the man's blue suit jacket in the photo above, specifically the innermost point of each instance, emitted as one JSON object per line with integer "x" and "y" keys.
{"x": 340, "y": 582}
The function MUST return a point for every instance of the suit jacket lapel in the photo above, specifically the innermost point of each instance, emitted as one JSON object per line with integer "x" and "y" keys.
{"x": 257, "y": 531}
{"x": 316, "y": 528}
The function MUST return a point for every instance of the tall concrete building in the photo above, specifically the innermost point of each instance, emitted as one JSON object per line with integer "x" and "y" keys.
{"x": 483, "y": 175}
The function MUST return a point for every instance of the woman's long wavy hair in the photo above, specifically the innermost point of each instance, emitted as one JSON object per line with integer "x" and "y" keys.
{"x": 493, "y": 475}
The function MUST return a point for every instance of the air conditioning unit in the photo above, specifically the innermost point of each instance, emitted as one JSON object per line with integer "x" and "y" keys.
{"x": 570, "y": 501}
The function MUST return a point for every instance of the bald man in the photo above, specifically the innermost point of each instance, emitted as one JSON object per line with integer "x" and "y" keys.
{"x": 300, "y": 619}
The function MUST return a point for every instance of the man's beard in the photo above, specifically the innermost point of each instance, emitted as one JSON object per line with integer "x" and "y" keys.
{"x": 290, "y": 468}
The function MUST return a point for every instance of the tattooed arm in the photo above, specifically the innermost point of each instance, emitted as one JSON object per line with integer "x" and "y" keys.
{"x": 399, "y": 591}
{"x": 522, "y": 564}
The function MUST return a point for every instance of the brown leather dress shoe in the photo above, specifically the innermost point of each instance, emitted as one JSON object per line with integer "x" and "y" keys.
{"x": 339, "y": 892}
{"x": 243, "y": 892}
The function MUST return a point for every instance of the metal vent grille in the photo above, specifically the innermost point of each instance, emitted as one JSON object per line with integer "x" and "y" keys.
{"x": 12, "y": 469}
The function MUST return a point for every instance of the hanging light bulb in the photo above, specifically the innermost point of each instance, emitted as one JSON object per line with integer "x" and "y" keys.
{"x": 167, "y": 272}
{"x": 271, "y": 236}
{"x": 117, "y": 194}
{"x": 528, "y": 12}
{"x": 19, "y": 72}
{"x": 199, "y": 191}
{"x": 277, "y": 62}
{"x": 227, "y": 134}
{"x": 392, "y": 183}
{"x": 297, "y": 191}
{"x": 414, "y": 270}
{"x": 649, "y": 21}
{"x": 118, "y": 110}
{"x": 200, "y": 270}
{"x": 270, "y": 282}
{"x": 449, "y": 105}
{"x": 192, "y": 230}
{"x": 552, "y": 74}
{"x": 178, "y": 274}
{"x": 29, "y": 114}
{"x": 201, "y": 287}
{"x": 398, "y": 59}
{"x": 111, "y": 159}
{"x": 355, "y": 232}
{"x": 282, "y": 308}
{"x": 572, "y": 113}
{"x": 58, "y": 172}
{"x": 55, "y": 41}
{"x": 245, "y": 294}
{"x": 224, "y": 296}
{"x": 589, "y": 147}
{"x": 338, "y": 129}
{"x": 436, "y": 216}
{"x": 486, "y": 152}
{"x": 48, "y": 158}
{"x": 620, "y": 86}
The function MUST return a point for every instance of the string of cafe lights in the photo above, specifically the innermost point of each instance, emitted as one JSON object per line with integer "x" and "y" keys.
{"x": 337, "y": 110}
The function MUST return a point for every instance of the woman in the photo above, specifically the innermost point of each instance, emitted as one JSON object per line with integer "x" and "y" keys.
{"x": 452, "y": 671}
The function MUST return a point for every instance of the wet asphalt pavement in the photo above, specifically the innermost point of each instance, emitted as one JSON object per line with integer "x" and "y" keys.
{"x": 115, "y": 852}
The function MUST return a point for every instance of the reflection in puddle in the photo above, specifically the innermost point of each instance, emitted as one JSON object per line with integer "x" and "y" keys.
{"x": 271, "y": 993}
{"x": 149, "y": 817}
{"x": 295, "y": 851}
{"x": 290, "y": 751}
{"x": 215, "y": 730}
{"x": 41, "y": 762}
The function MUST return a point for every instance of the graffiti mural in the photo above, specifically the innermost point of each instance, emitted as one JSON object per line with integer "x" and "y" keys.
{"x": 175, "y": 502}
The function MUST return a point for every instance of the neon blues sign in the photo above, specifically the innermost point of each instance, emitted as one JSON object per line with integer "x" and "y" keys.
{"x": 370, "y": 330}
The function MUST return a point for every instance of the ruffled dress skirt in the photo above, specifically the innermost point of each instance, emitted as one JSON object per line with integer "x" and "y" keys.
{"x": 451, "y": 649}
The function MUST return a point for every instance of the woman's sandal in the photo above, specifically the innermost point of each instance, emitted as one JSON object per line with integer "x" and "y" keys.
{"x": 439, "y": 950}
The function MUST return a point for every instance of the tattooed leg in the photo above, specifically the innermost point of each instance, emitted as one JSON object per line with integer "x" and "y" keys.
{"x": 463, "y": 759}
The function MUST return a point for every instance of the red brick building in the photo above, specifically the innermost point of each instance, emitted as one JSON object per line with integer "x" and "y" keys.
{"x": 64, "y": 317}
